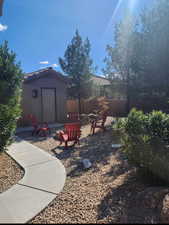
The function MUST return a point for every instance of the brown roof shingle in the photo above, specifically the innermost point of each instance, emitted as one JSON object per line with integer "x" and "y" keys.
{"x": 101, "y": 81}
{"x": 98, "y": 80}
{"x": 28, "y": 77}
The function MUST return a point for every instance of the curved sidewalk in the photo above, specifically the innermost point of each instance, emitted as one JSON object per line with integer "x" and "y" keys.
{"x": 44, "y": 178}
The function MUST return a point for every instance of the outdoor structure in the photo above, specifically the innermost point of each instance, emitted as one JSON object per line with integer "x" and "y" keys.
{"x": 101, "y": 86}
{"x": 44, "y": 96}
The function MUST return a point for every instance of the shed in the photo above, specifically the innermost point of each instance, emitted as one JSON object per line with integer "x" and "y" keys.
{"x": 44, "y": 95}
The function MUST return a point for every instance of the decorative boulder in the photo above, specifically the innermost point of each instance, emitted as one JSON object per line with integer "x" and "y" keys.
{"x": 116, "y": 145}
{"x": 86, "y": 163}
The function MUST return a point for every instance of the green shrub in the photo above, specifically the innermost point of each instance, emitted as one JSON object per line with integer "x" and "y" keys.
{"x": 10, "y": 92}
{"x": 118, "y": 123}
{"x": 158, "y": 126}
{"x": 146, "y": 139}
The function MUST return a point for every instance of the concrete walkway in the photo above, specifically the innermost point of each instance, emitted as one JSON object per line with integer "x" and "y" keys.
{"x": 44, "y": 178}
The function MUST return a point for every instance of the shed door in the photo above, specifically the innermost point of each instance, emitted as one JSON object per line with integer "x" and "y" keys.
{"x": 48, "y": 105}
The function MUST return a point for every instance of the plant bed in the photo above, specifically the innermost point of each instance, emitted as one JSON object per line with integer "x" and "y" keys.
{"x": 10, "y": 172}
{"x": 109, "y": 192}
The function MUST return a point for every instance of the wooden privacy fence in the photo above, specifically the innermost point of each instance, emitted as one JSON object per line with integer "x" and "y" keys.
{"x": 116, "y": 107}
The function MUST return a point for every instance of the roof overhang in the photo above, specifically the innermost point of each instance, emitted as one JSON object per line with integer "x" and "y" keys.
{"x": 30, "y": 77}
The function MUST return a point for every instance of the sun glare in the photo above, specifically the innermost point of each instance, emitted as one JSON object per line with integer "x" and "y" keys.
{"x": 113, "y": 16}
{"x": 130, "y": 6}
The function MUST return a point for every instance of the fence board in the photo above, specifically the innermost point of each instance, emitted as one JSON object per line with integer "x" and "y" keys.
{"x": 116, "y": 107}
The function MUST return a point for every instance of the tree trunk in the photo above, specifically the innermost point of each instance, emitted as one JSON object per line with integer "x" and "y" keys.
{"x": 128, "y": 104}
{"x": 128, "y": 94}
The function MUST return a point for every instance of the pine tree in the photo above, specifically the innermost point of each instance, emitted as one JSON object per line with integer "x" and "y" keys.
{"x": 77, "y": 64}
{"x": 140, "y": 56}
{"x": 121, "y": 61}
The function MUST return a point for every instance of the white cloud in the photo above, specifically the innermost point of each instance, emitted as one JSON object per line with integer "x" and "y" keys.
{"x": 3, "y": 27}
{"x": 44, "y": 62}
{"x": 55, "y": 65}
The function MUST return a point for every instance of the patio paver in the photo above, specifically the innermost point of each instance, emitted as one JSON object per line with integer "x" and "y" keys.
{"x": 44, "y": 178}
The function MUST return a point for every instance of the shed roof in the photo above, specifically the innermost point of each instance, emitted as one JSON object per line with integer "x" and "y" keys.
{"x": 98, "y": 80}
{"x": 101, "y": 81}
{"x": 28, "y": 77}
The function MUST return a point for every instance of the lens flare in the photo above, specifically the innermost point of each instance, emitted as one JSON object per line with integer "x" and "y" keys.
{"x": 128, "y": 5}
{"x": 132, "y": 5}
{"x": 113, "y": 16}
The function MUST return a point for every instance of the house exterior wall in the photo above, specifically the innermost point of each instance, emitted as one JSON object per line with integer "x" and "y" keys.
{"x": 100, "y": 85}
{"x": 34, "y": 105}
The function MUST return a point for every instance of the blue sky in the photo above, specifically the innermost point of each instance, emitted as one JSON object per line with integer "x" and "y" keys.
{"x": 40, "y": 30}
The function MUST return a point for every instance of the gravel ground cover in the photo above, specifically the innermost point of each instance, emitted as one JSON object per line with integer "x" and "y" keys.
{"x": 10, "y": 172}
{"x": 109, "y": 192}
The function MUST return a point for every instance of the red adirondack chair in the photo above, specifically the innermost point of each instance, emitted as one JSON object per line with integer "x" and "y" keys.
{"x": 73, "y": 116}
{"x": 39, "y": 129}
{"x": 71, "y": 132}
{"x": 98, "y": 122}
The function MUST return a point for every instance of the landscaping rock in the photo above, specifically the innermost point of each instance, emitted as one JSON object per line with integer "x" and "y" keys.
{"x": 86, "y": 163}
{"x": 165, "y": 210}
{"x": 152, "y": 197}
{"x": 116, "y": 145}
{"x": 125, "y": 163}
{"x": 107, "y": 193}
{"x": 10, "y": 172}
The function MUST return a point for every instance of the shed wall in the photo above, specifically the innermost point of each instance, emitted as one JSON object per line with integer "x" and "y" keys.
{"x": 34, "y": 105}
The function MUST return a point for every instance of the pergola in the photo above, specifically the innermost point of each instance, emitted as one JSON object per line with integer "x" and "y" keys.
{"x": 1, "y": 6}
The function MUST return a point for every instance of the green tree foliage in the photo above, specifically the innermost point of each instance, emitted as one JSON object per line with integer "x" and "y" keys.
{"x": 121, "y": 59}
{"x": 77, "y": 64}
{"x": 137, "y": 63}
{"x": 154, "y": 55}
{"x": 10, "y": 92}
